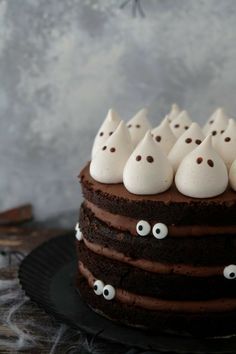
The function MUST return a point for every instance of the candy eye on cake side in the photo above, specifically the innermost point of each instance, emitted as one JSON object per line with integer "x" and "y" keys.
{"x": 78, "y": 233}
{"x": 230, "y": 271}
{"x": 98, "y": 287}
{"x": 143, "y": 228}
{"x": 109, "y": 292}
{"x": 160, "y": 230}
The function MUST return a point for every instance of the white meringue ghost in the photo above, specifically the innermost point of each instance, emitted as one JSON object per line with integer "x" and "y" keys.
{"x": 202, "y": 173}
{"x": 138, "y": 126}
{"x": 148, "y": 170}
{"x": 109, "y": 125}
{"x": 226, "y": 143}
{"x": 186, "y": 143}
{"x": 164, "y": 136}
{"x": 207, "y": 128}
{"x": 180, "y": 123}
{"x": 232, "y": 175}
{"x": 218, "y": 125}
{"x": 108, "y": 163}
{"x": 173, "y": 112}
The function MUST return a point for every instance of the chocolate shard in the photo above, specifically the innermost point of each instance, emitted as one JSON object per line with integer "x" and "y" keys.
{"x": 18, "y": 215}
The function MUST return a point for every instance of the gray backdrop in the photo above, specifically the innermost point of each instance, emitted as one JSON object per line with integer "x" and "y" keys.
{"x": 63, "y": 63}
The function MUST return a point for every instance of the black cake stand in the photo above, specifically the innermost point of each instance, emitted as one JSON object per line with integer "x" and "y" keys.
{"x": 47, "y": 276}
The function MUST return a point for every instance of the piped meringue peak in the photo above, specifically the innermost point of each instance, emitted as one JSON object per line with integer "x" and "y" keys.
{"x": 219, "y": 112}
{"x": 164, "y": 136}
{"x": 218, "y": 125}
{"x": 138, "y": 126}
{"x": 174, "y": 112}
{"x": 180, "y": 124}
{"x": 232, "y": 175}
{"x": 148, "y": 170}
{"x": 107, "y": 128}
{"x": 186, "y": 143}
{"x": 202, "y": 173}
{"x": 226, "y": 143}
{"x": 108, "y": 163}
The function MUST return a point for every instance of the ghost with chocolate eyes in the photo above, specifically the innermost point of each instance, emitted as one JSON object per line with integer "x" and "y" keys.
{"x": 219, "y": 112}
{"x": 188, "y": 141}
{"x": 164, "y": 136}
{"x": 108, "y": 164}
{"x": 174, "y": 112}
{"x": 180, "y": 124}
{"x": 217, "y": 126}
{"x": 202, "y": 173}
{"x": 106, "y": 130}
{"x": 138, "y": 126}
{"x": 226, "y": 143}
{"x": 147, "y": 171}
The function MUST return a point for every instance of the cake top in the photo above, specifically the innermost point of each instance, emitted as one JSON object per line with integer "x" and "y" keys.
{"x": 145, "y": 160}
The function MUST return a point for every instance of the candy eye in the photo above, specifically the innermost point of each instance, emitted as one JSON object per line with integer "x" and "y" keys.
{"x": 143, "y": 228}
{"x": 109, "y": 292}
{"x": 78, "y": 234}
{"x": 160, "y": 230}
{"x": 230, "y": 272}
{"x": 98, "y": 287}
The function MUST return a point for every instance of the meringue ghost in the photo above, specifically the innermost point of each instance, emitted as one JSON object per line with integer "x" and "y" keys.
{"x": 186, "y": 143}
{"x": 218, "y": 125}
{"x": 108, "y": 163}
{"x": 208, "y": 125}
{"x": 232, "y": 175}
{"x": 164, "y": 136}
{"x": 138, "y": 126}
{"x": 109, "y": 125}
{"x": 173, "y": 112}
{"x": 226, "y": 143}
{"x": 202, "y": 173}
{"x": 148, "y": 170}
{"x": 180, "y": 123}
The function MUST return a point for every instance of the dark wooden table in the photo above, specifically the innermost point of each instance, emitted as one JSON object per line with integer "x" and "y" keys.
{"x": 24, "y": 327}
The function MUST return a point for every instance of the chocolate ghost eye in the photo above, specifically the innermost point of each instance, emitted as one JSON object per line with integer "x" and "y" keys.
{"x": 230, "y": 271}
{"x": 98, "y": 287}
{"x": 143, "y": 228}
{"x": 109, "y": 292}
{"x": 160, "y": 230}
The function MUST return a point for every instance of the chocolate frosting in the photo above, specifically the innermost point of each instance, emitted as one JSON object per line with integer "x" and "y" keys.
{"x": 170, "y": 207}
{"x": 152, "y": 266}
{"x": 125, "y": 223}
{"x": 156, "y": 304}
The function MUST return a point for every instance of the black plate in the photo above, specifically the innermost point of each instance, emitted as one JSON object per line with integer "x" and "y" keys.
{"x": 47, "y": 276}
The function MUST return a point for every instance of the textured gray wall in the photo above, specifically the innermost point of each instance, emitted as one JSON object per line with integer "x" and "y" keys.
{"x": 63, "y": 63}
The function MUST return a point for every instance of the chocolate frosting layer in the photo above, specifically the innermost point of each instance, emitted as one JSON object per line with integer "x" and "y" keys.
{"x": 154, "y": 267}
{"x": 125, "y": 223}
{"x": 185, "y": 324}
{"x": 218, "y": 250}
{"x": 170, "y": 207}
{"x": 156, "y": 304}
{"x": 165, "y": 286}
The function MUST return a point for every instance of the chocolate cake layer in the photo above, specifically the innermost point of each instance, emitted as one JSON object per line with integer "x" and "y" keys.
{"x": 182, "y": 323}
{"x": 218, "y": 250}
{"x": 165, "y": 286}
{"x": 124, "y": 223}
{"x": 170, "y": 207}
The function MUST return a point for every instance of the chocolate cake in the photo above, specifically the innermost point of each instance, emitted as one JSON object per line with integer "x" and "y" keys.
{"x": 156, "y": 237}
